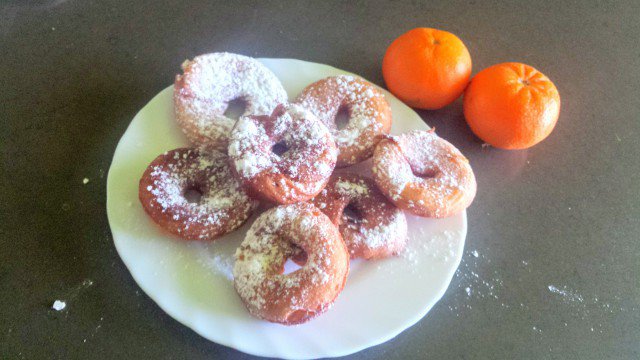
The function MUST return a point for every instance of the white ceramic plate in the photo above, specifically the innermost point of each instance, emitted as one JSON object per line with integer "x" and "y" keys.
{"x": 192, "y": 282}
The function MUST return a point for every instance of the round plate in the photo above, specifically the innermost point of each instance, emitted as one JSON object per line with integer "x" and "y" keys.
{"x": 193, "y": 282}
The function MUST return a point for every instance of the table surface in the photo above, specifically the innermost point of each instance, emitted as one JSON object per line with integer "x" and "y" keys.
{"x": 552, "y": 261}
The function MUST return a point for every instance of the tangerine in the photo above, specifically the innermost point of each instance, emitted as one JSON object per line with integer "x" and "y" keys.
{"x": 511, "y": 105}
{"x": 427, "y": 68}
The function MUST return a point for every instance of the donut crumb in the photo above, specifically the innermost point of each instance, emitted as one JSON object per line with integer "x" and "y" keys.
{"x": 59, "y": 305}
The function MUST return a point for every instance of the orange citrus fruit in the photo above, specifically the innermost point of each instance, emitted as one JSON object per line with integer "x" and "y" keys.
{"x": 427, "y": 68}
{"x": 511, "y": 105}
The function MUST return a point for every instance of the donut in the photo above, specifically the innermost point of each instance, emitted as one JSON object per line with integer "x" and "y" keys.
{"x": 367, "y": 111}
{"x": 424, "y": 174}
{"x": 371, "y": 226}
{"x": 275, "y": 236}
{"x": 193, "y": 194}
{"x": 285, "y": 157}
{"x": 207, "y": 86}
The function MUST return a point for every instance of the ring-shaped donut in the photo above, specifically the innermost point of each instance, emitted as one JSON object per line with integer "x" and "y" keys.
{"x": 194, "y": 195}
{"x": 283, "y": 158}
{"x": 424, "y": 174}
{"x": 207, "y": 86}
{"x": 367, "y": 114}
{"x": 370, "y": 225}
{"x": 277, "y": 235}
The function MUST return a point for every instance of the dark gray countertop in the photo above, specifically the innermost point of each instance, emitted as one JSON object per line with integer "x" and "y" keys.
{"x": 563, "y": 214}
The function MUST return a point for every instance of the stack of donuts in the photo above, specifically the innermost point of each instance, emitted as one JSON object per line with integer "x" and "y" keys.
{"x": 283, "y": 155}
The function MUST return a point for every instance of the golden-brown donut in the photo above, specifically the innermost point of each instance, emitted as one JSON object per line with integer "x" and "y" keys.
{"x": 222, "y": 205}
{"x": 370, "y": 225}
{"x": 209, "y": 83}
{"x": 424, "y": 174}
{"x": 277, "y": 235}
{"x": 368, "y": 113}
{"x": 283, "y": 158}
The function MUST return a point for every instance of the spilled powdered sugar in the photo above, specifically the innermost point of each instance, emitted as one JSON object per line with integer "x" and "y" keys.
{"x": 470, "y": 279}
{"x": 215, "y": 262}
{"x": 480, "y": 283}
{"x": 567, "y": 295}
{"x": 439, "y": 246}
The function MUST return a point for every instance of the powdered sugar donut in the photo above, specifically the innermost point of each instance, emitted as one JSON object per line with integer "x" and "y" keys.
{"x": 367, "y": 111}
{"x": 370, "y": 225}
{"x": 207, "y": 85}
{"x": 285, "y": 157}
{"x": 222, "y": 205}
{"x": 424, "y": 174}
{"x": 276, "y": 236}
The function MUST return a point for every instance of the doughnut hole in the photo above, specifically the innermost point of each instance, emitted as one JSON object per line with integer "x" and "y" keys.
{"x": 235, "y": 108}
{"x": 343, "y": 115}
{"x": 351, "y": 215}
{"x": 286, "y": 158}
{"x": 293, "y": 258}
{"x": 290, "y": 266}
{"x": 426, "y": 173}
{"x": 422, "y": 170}
{"x": 193, "y": 194}
{"x": 279, "y": 148}
{"x": 299, "y": 256}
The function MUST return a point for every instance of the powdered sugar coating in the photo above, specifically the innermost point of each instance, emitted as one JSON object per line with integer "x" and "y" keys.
{"x": 370, "y": 225}
{"x": 276, "y": 235}
{"x": 300, "y": 172}
{"x": 424, "y": 174}
{"x": 369, "y": 114}
{"x": 222, "y": 207}
{"x": 210, "y": 82}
